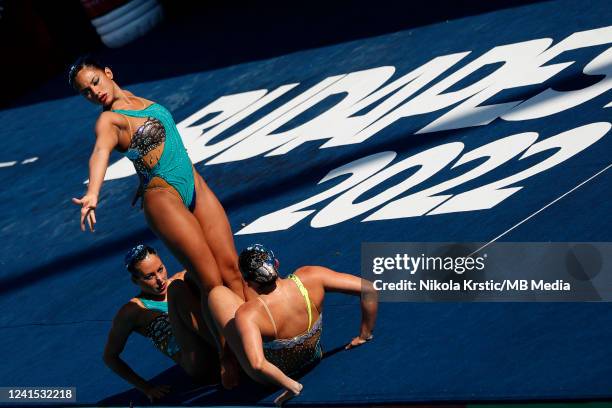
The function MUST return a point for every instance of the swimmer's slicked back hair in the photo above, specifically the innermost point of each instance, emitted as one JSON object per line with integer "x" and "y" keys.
{"x": 80, "y": 63}
{"x": 135, "y": 255}
{"x": 258, "y": 264}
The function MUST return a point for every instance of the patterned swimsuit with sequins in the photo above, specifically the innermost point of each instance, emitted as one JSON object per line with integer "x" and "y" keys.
{"x": 174, "y": 165}
{"x": 298, "y": 353}
{"x": 147, "y": 137}
{"x": 159, "y": 330}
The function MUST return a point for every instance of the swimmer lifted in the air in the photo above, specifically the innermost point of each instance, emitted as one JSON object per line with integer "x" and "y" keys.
{"x": 277, "y": 334}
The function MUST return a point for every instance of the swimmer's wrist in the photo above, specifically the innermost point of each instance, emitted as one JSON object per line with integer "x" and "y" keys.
{"x": 93, "y": 194}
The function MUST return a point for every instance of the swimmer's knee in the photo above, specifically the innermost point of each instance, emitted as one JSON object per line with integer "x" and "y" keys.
{"x": 176, "y": 287}
{"x": 206, "y": 280}
{"x": 208, "y": 287}
{"x": 235, "y": 282}
{"x": 230, "y": 273}
{"x": 221, "y": 299}
{"x": 178, "y": 298}
{"x": 218, "y": 293}
{"x": 232, "y": 266}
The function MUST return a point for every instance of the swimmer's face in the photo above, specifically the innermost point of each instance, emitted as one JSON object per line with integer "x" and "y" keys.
{"x": 96, "y": 85}
{"x": 152, "y": 275}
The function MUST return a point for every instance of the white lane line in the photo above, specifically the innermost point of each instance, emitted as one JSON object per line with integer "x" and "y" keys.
{"x": 8, "y": 164}
{"x": 30, "y": 160}
{"x": 541, "y": 209}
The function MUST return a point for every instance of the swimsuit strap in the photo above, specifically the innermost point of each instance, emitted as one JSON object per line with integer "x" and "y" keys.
{"x": 269, "y": 315}
{"x": 122, "y": 112}
{"x": 304, "y": 293}
{"x": 128, "y": 121}
{"x": 140, "y": 113}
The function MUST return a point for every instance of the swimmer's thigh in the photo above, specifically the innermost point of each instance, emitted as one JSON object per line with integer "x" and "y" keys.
{"x": 216, "y": 228}
{"x": 181, "y": 233}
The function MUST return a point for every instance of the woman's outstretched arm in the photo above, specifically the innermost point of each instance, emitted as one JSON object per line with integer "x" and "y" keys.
{"x": 333, "y": 281}
{"x": 107, "y": 138}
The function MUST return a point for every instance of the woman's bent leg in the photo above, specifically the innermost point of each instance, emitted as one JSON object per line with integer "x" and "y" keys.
{"x": 198, "y": 356}
{"x": 223, "y": 304}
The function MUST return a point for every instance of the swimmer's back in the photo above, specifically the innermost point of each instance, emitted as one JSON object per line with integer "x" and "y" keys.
{"x": 288, "y": 307}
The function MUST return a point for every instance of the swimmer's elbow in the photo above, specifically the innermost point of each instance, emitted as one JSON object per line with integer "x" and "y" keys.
{"x": 367, "y": 287}
{"x": 110, "y": 359}
{"x": 99, "y": 153}
{"x": 260, "y": 371}
{"x": 369, "y": 294}
{"x": 257, "y": 364}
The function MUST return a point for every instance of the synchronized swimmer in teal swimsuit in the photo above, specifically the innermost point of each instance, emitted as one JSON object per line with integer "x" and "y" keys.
{"x": 164, "y": 311}
{"x": 178, "y": 205}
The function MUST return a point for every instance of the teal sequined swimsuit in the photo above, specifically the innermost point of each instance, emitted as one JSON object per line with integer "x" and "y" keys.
{"x": 174, "y": 165}
{"x": 160, "y": 329}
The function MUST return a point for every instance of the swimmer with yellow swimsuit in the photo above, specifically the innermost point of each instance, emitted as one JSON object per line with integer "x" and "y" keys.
{"x": 277, "y": 334}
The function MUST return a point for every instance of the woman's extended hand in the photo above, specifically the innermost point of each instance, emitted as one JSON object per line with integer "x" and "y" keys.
{"x": 288, "y": 394}
{"x": 155, "y": 392}
{"x": 88, "y": 205}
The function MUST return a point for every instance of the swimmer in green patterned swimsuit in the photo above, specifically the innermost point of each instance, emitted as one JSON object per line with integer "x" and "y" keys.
{"x": 167, "y": 313}
{"x": 277, "y": 334}
{"x": 178, "y": 205}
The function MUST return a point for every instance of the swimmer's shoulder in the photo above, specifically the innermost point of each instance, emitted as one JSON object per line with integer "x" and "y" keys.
{"x": 310, "y": 274}
{"x": 128, "y": 315}
{"x": 108, "y": 123}
{"x": 133, "y": 307}
{"x": 110, "y": 118}
{"x": 313, "y": 277}
{"x": 250, "y": 311}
